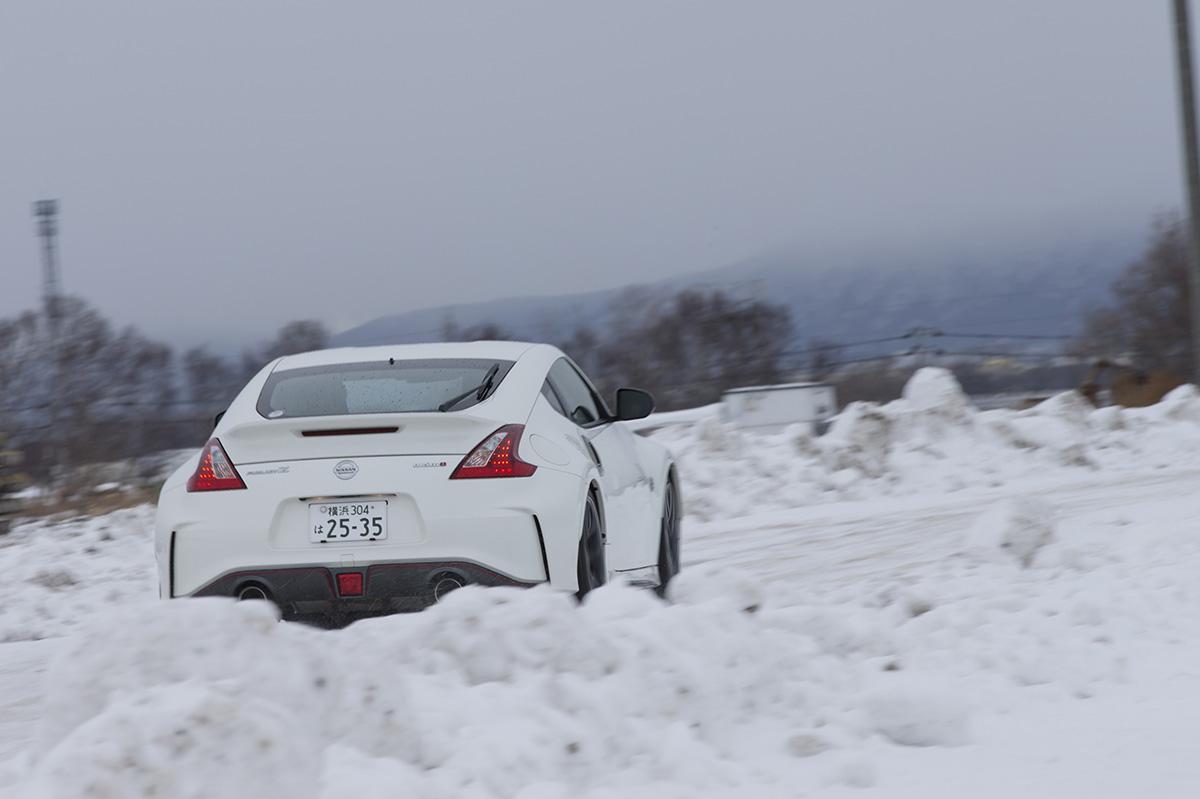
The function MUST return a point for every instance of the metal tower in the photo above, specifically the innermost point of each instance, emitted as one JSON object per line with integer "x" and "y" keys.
{"x": 46, "y": 212}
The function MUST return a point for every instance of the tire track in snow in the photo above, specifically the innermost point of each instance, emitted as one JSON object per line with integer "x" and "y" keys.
{"x": 861, "y": 540}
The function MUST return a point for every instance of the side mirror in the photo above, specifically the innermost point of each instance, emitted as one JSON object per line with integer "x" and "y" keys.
{"x": 217, "y": 419}
{"x": 633, "y": 403}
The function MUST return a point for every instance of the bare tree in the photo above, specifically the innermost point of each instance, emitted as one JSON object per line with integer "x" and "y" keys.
{"x": 586, "y": 349}
{"x": 210, "y": 380}
{"x": 739, "y": 342}
{"x": 687, "y": 348}
{"x": 303, "y": 336}
{"x": 292, "y": 338}
{"x": 485, "y": 331}
{"x": 1150, "y": 318}
{"x": 80, "y": 388}
{"x": 823, "y": 359}
{"x": 99, "y": 394}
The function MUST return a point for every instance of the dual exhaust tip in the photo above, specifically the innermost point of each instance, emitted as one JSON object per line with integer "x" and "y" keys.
{"x": 251, "y": 592}
{"x": 443, "y": 585}
{"x": 446, "y": 583}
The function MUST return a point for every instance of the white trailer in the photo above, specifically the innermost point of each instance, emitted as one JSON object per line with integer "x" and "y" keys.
{"x": 775, "y": 407}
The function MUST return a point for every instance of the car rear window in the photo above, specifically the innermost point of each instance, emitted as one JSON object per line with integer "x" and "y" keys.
{"x": 408, "y": 386}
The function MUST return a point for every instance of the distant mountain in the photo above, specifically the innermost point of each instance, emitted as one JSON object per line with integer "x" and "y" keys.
{"x": 844, "y": 297}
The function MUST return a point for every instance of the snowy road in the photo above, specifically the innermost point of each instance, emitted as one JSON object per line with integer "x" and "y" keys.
{"x": 22, "y": 666}
{"x": 889, "y": 538}
{"x": 1137, "y": 741}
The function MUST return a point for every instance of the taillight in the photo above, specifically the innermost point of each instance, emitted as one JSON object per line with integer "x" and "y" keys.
{"x": 496, "y": 456}
{"x": 215, "y": 471}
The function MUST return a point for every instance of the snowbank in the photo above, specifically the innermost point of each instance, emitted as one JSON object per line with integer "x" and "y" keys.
{"x": 728, "y": 688}
{"x": 754, "y": 683}
{"x": 930, "y": 441}
{"x": 184, "y": 741}
{"x": 57, "y": 575}
{"x": 486, "y": 694}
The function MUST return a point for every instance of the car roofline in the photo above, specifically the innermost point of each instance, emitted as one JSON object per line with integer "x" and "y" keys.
{"x": 507, "y": 350}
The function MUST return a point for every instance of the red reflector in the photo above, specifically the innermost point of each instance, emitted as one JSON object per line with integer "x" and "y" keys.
{"x": 350, "y": 584}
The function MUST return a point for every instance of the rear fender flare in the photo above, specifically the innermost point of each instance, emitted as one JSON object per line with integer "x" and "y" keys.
{"x": 562, "y": 545}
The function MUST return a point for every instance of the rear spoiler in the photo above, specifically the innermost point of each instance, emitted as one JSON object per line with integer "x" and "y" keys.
{"x": 360, "y": 435}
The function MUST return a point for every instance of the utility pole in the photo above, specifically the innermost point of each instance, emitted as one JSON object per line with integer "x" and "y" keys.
{"x": 46, "y": 213}
{"x": 1191, "y": 160}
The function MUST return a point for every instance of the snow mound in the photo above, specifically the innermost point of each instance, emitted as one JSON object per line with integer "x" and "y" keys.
{"x": 710, "y": 583}
{"x": 58, "y": 574}
{"x": 860, "y": 440}
{"x": 1018, "y": 529}
{"x": 239, "y": 646}
{"x": 918, "y": 712}
{"x": 185, "y": 741}
{"x": 932, "y": 441}
{"x": 937, "y": 390}
{"x": 490, "y": 693}
{"x": 1181, "y": 404}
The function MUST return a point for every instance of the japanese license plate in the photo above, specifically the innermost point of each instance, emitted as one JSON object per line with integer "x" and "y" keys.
{"x": 347, "y": 522}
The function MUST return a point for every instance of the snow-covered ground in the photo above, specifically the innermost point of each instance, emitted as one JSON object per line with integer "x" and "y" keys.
{"x": 929, "y": 601}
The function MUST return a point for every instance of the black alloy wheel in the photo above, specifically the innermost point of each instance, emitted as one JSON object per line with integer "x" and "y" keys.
{"x": 592, "y": 567}
{"x": 668, "y": 544}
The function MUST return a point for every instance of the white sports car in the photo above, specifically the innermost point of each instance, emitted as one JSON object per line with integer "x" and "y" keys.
{"x": 363, "y": 481}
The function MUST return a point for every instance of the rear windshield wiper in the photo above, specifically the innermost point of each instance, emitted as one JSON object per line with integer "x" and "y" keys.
{"x": 480, "y": 391}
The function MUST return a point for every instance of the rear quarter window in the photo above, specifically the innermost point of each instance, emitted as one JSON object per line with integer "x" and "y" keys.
{"x": 579, "y": 402}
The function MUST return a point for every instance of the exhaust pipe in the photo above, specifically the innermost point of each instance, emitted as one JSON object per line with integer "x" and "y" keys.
{"x": 446, "y": 584}
{"x": 251, "y": 592}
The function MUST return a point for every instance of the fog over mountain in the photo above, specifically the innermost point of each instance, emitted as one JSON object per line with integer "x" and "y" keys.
{"x": 863, "y": 291}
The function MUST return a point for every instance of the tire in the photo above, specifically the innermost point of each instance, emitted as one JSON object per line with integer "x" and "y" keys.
{"x": 668, "y": 542}
{"x": 592, "y": 567}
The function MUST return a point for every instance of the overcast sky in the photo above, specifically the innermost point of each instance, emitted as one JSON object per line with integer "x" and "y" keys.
{"x": 227, "y": 165}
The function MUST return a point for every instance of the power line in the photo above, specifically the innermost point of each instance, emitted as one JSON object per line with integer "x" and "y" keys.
{"x": 846, "y": 346}
{"x": 1014, "y": 336}
{"x": 920, "y": 334}
{"x": 1030, "y": 355}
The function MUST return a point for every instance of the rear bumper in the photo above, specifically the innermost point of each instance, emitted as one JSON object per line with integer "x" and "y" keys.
{"x": 310, "y": 593}
{"x": 524, "y": 529}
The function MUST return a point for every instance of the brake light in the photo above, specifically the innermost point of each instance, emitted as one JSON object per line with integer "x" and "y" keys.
{"x": 496, "y": 456}
{"x": 215, "y": 471}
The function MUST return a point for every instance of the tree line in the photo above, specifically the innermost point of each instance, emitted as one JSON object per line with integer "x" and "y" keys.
{"x": 1148, "y": 321}
{"x": 686, "y": 347}
{"x": 95, "y": 393}
{"x": 100, "y": 393}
